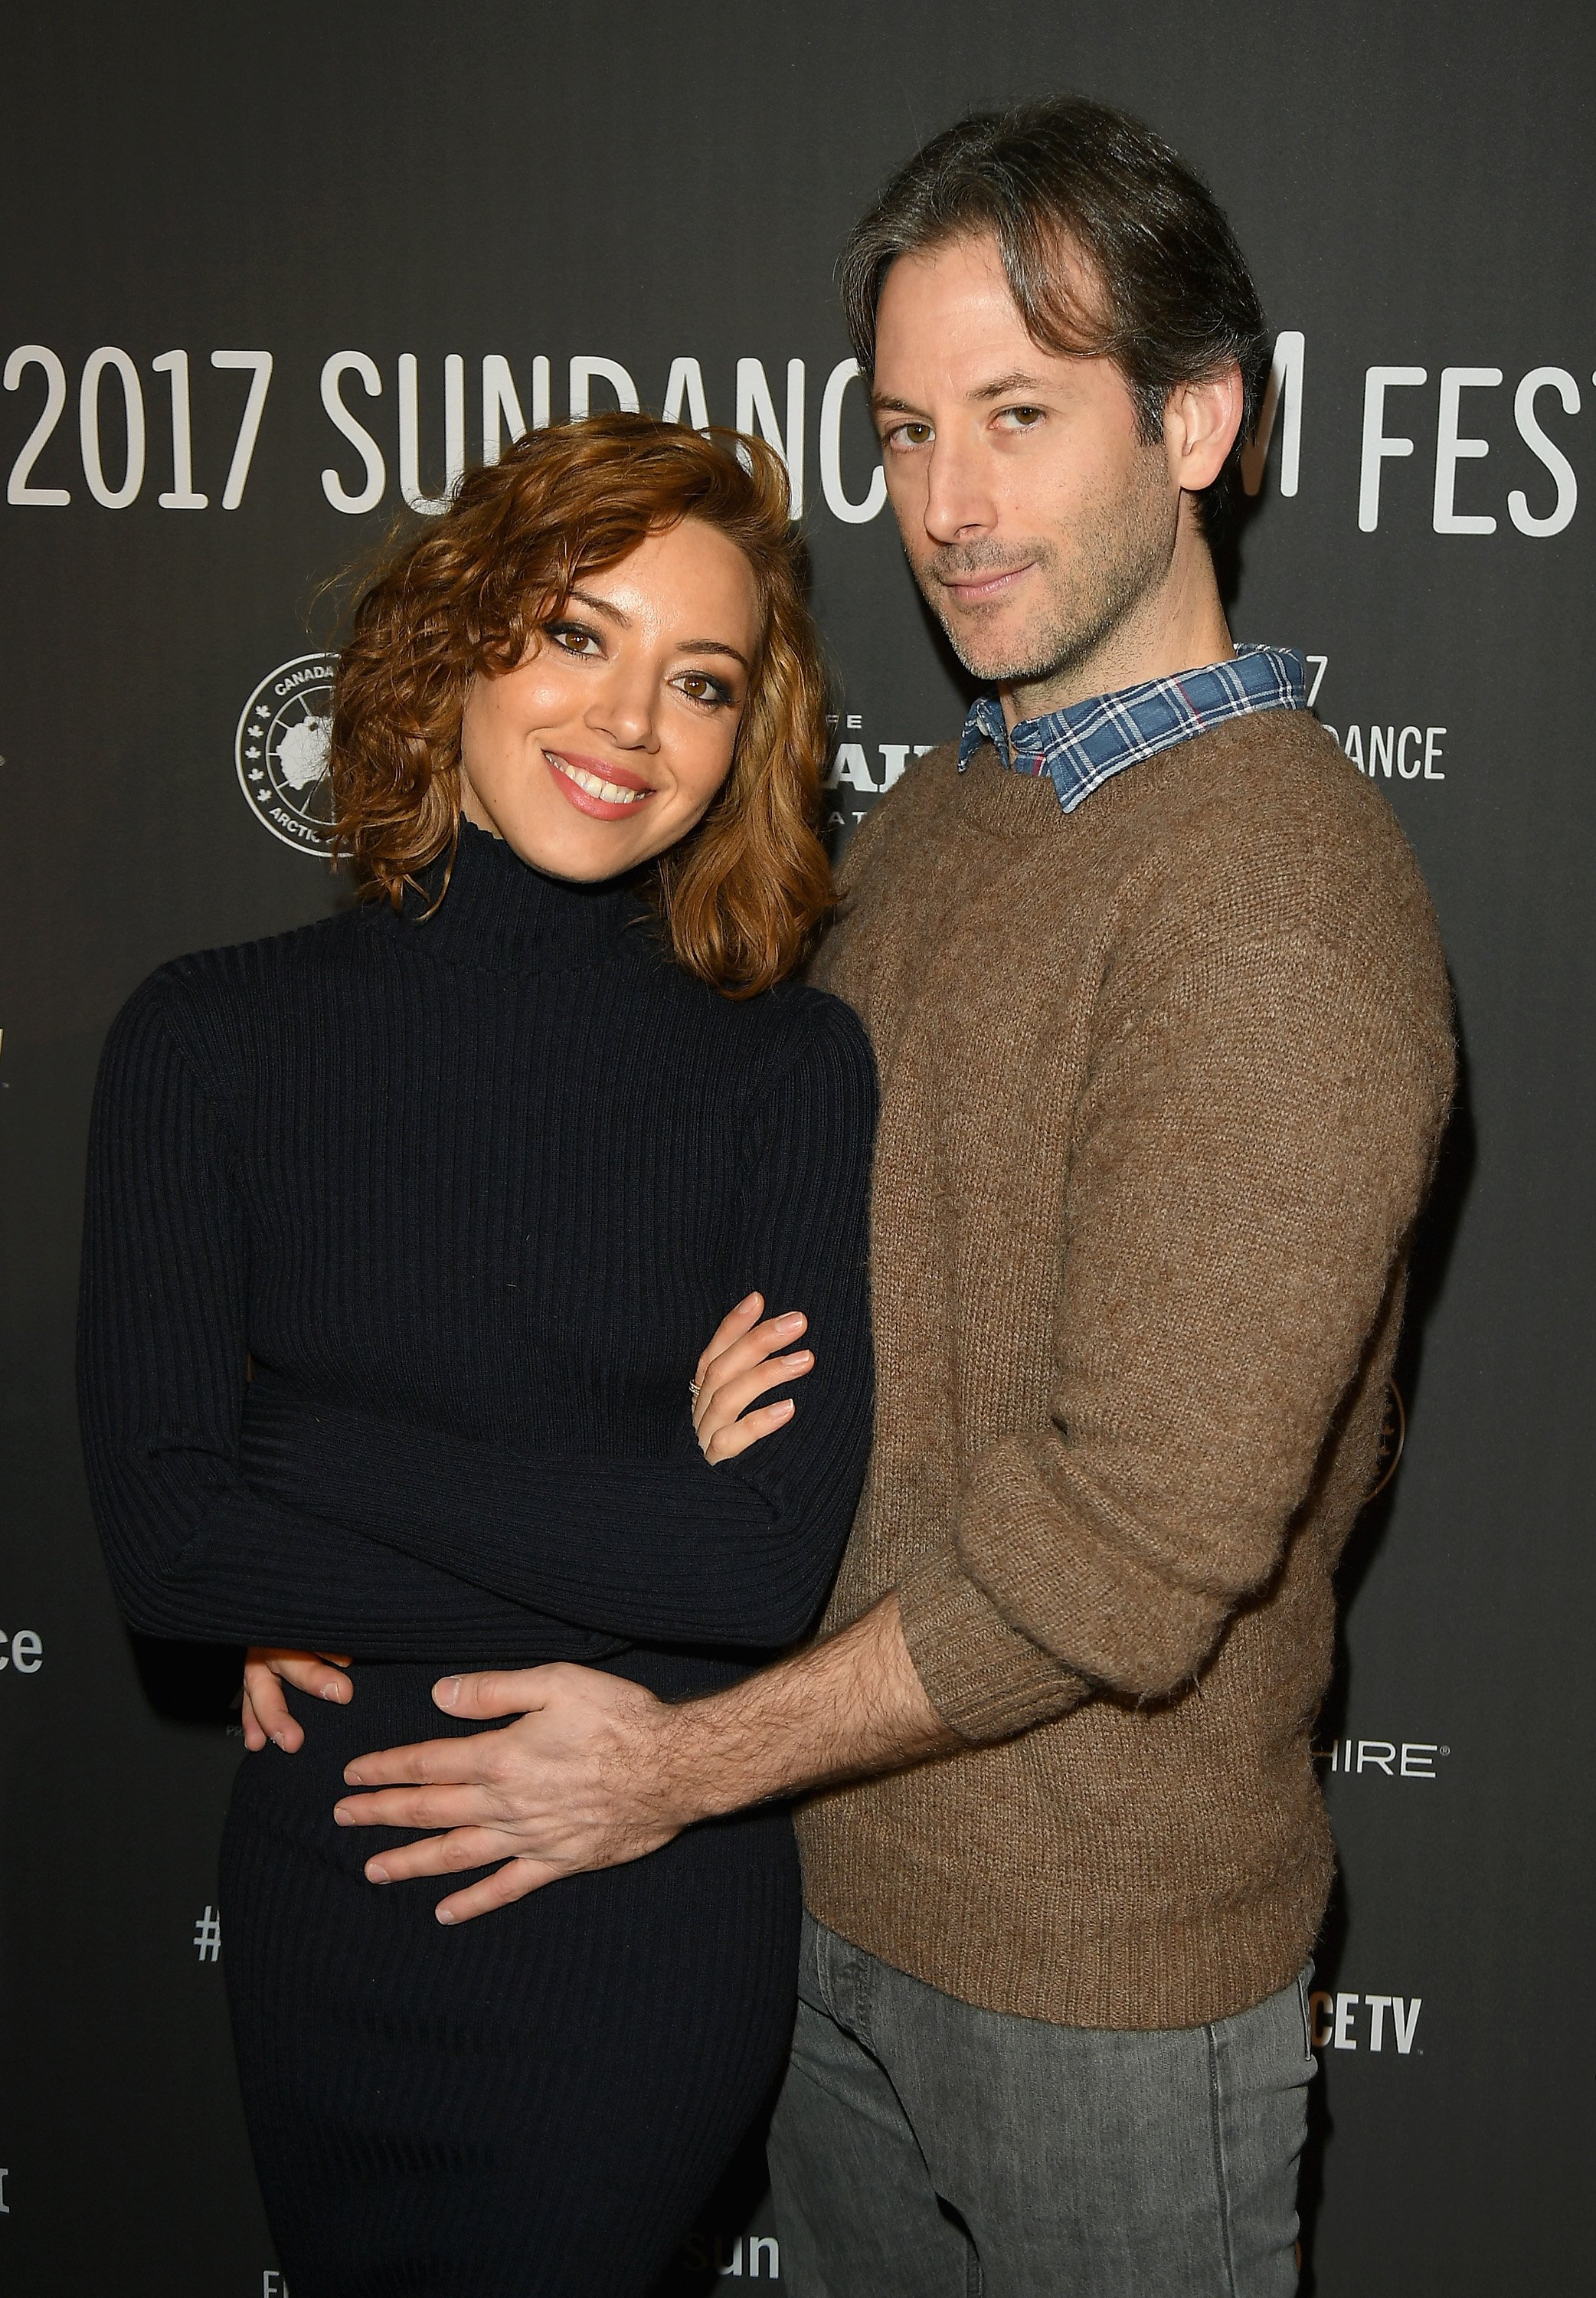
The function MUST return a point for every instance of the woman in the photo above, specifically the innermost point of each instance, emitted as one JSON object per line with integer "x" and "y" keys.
{"x": 404, "y": 1233}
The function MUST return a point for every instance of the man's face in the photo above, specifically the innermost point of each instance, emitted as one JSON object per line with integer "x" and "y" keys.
{"x": 1035, "y": 518}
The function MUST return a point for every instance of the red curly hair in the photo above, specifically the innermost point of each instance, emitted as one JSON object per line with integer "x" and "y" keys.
{"x": 740, "y": 895}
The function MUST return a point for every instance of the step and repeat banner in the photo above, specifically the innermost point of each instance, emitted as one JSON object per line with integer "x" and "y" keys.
{"x": 273, "y": 276}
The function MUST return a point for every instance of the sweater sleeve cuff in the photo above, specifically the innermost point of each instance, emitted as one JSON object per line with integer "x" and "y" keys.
{"x": 985, "y": 1679}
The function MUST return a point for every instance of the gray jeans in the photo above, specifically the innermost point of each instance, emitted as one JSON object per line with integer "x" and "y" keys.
{"x": 922, "y": 2149}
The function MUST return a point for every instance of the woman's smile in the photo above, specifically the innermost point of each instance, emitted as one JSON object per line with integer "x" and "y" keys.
{"x": 596, "y": 787}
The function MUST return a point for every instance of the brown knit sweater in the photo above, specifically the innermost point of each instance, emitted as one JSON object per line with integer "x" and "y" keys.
{"x": 1163, "y": 1083}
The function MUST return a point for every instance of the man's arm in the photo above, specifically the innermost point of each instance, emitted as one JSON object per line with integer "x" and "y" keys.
{"x": 595, "y": 1771}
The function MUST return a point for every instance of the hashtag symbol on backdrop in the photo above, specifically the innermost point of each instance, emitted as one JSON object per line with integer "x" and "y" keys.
{"x": 207, "y": 1936}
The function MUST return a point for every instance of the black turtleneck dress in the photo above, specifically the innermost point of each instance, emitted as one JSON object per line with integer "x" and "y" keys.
{"x": 403, "y": 1236}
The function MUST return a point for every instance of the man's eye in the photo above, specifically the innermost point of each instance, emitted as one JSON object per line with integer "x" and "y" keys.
{"x": 909, "y": 435}
{"x": 1024, "y": 418}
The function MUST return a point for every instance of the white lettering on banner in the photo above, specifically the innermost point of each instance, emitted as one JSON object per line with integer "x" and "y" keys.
{"x": 756, "y": 410}
{"x": 115, "y": 470}
{"x": 502, "y": 404}
{"x": 685, "y": 386}
{"x": 272, "y": 2285}
{"x": 180, "y": 495}
{"x": 1452, "y": 448}
{"x": 756, "y": 2256}
{"x": 1333, "y": 2017}
{"x": 1412, "y": 753}
{"x": 125, "y": 491}
{"x": 5, "y": 2205}
{"x": 1395, "y": 1759}
{"x": 589, "y": 368}
{"x": 1376, "y": 445}
{"x": 206, "y": 1935}
{"x": 410, "y": 432}
{"x": 850, "y": 768}
{"x": 851, "y": 513}
{"x": 18, "y": 488}
{"x": 1454, "y": 445}
{"x": 258, "y": 367}
{"x": 1389, "y": 751}
{"x": 26, "y": 1651}
{"x": 365, "y": 371}
{"x": 1284, "y": 395}
{"x": 1539, "y": 379}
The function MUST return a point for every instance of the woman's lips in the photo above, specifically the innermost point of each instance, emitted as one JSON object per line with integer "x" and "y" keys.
{"x": 595, "y": 787}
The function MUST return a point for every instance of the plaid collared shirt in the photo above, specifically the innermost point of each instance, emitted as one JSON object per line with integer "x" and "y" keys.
{"x": 1083, "y": 746}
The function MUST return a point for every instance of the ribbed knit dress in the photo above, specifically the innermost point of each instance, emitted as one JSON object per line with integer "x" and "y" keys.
{"x": 403, "y": 1236}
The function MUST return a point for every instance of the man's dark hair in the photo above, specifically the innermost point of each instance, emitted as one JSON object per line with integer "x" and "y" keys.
{"x": 1167, "y": 293}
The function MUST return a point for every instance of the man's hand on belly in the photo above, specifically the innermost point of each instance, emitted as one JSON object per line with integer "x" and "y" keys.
{"x": 595, "y": 1771}
{"x": 576, "y": 1782}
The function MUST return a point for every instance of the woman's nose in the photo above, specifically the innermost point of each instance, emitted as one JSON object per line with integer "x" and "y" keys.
{"x": 625, "y": 711}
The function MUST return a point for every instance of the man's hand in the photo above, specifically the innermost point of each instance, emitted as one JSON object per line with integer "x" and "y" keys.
{"x": 597, "y": 1771}
{"x": 581, "y": 1780}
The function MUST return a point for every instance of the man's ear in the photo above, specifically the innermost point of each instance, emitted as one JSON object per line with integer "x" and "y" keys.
{"x": 1200, "y": 423}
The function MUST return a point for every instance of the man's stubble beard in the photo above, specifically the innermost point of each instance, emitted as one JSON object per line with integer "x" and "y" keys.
{"x": 1117, "y": 557}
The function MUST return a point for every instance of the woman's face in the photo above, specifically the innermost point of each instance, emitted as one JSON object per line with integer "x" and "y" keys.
{"x": 609, "y": 741}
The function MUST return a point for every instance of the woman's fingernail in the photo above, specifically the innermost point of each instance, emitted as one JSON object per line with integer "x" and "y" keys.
{"x": 341, "y": 1814}
{"x": 786, "y": 1408}
{"x": 445, "y": 1915}
{"x": 799, "y": 1357}
{"x": 352, "y": 1778}
{"x": 376, "y": 1874}
{"x": 277, "y": 1741}
{"x": 748, "y": 1302}
{"x": 448, "y": 1691}
{"x": 333, "y": 1691}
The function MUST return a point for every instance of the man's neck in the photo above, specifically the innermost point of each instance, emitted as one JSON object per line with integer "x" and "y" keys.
{"x": 1177, "y": 626}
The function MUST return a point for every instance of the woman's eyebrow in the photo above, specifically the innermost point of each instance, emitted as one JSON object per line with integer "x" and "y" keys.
{"x": 712, "y": 646}
{"x": 601, "y": 606}
{"x": 686, "y": 646}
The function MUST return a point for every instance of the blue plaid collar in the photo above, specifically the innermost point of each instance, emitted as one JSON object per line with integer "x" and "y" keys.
{"x": 1083, "y": 746}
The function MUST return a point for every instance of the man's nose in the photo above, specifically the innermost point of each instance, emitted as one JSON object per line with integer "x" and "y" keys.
{"x": 959, "y": 504}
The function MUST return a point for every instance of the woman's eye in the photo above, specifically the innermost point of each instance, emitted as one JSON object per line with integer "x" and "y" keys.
{"x": 699, "y": 686}
{"x": 571, "y": 637}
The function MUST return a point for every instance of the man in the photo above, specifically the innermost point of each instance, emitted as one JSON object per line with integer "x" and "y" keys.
{"x": 1165, "y": 1035}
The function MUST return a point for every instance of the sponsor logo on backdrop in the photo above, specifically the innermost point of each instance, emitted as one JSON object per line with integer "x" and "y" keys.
{"x": 206, "y": 1935}
{"x": 5, "y": 2205}
{"x": 1386, "y": 1759}
{"x": 758, "y": 2256}
{"x": 281, "y": 750}
{"x": 272, "y": 2285}
{"x": 22, "y": 1650}
{"x": 1371, "y": 2022}
{"x": 868, "y": 768}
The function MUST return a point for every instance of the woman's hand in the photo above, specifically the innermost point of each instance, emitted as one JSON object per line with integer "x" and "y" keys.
{"x": 739, "y": 1365}
{"x": 266, "y": 1711}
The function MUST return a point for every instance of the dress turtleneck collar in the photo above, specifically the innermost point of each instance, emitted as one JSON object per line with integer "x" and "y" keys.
{"x": 501, "y": 913}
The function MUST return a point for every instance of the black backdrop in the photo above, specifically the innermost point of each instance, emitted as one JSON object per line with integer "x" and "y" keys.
{"x": 496, "y": 186}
